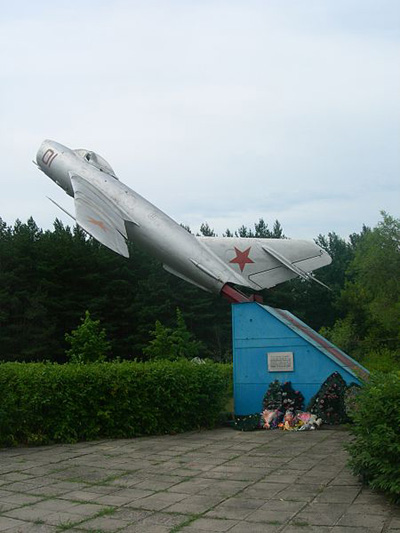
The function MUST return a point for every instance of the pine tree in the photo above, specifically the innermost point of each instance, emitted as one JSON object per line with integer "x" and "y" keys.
{"x": 206, "y": 231}
{"x": 172, "y": 343}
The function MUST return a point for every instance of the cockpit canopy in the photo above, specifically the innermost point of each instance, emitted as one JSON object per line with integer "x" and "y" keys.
{"x": 97, "y": 161}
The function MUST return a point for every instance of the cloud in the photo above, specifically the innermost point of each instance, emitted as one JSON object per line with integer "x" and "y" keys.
{"x": 219, "y": 111}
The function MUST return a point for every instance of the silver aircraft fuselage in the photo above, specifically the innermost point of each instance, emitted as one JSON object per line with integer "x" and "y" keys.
{"x": 113, "y": 213}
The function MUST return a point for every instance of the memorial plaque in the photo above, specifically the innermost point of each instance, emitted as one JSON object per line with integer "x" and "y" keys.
{"x": 280, "y": 362}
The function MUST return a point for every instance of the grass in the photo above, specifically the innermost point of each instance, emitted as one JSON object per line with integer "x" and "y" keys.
{"x": 187, "y": 522}
{"x": 67, "y": 525}
{"x": 107, "y": 511}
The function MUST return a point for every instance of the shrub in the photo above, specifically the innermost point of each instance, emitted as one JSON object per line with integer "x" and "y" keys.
{"x": 45, "y": 402}
{"x": 375, "y": 449}
{"x": 88, "y": 342}
{"x": 382, "y": 360}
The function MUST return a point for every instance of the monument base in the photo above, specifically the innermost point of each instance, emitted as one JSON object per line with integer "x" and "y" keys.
{"x": 270, "y": 344}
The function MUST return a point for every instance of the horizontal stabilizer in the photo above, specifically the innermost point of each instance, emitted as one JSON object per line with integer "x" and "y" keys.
{"x": 292, "y": 266}
{"x": 263, "y": 263}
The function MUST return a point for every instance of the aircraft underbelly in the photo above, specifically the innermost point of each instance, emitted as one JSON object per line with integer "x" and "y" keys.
{"x": 177, "y": 252}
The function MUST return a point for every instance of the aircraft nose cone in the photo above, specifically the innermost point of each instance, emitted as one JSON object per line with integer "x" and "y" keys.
{"x": 50, "y": 159}
{"x": 45, "y": 153}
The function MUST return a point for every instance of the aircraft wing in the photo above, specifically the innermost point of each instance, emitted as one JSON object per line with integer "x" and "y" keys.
{"x": 264, "y": 263}
{"x": 99, "y": 216}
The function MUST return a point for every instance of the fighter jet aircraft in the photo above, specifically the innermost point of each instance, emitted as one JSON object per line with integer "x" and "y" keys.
{"x": 113, "y": 214}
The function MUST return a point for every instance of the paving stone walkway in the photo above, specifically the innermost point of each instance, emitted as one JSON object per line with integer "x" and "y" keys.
{"x": 209, "y": 481}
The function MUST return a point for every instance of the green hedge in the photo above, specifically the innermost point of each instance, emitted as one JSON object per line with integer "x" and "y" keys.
{"x": 45, "y": 402}
{"x": 375, "y": 449}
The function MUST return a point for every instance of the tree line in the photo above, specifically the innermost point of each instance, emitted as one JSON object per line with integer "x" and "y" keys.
{"x": 49, "y": 279}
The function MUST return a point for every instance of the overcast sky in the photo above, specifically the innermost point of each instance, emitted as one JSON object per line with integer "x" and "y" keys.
{"x": 219, "y": 111}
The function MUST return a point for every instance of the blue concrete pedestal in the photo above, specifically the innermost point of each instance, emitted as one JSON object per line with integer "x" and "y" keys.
{"x": 271, "y": 344}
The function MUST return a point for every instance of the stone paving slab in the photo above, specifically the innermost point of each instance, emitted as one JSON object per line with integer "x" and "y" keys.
{"x": 198, "y": 482}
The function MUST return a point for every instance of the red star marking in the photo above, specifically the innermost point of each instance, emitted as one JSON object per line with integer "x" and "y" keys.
{"x": 242, "y": 258}
{"x": 99, "y": 223}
